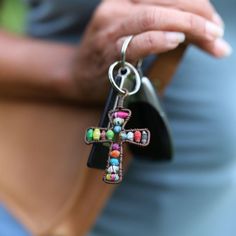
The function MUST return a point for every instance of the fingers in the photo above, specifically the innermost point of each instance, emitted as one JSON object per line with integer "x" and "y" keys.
{"x": 151, "y": 42}
{"x": 148, "y": 22}
{"x": 149, "y": 18}
{"x": 218, "y": 48}
{"x": 201, "y": 7}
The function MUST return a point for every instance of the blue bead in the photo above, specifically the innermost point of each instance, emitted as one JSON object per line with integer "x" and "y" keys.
{"x": 117, "y": 129}
{"x": 114, "y": 162}
{"x": 130, "y": 136}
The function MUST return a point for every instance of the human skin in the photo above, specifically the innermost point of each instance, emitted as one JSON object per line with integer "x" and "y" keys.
{"x": 36, "y": 68}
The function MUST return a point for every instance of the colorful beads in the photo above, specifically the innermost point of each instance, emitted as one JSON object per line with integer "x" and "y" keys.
{"x": 89, "y": 135}
{"x": 115, "y": 146}
{"x": 130, "y": 136}
{"x": 103, "y": 135}
{"x": 118, "y": 121}
{"x": 112, "y": 177}
{"x": 96, "y": 134}
{"x": 144, "y": 137}
{"x": 114, "y": 162}
{"x": 110, "y": 134}
{"x": 121, "y": 114}
{"x": 113, "y": 170}
{"x": 137, "y": 136}
{"x": 115, "y": 135}
{"x": 123, "y": 136}
{"x": 115, "y": 153}
{"x": 117, "y": 129}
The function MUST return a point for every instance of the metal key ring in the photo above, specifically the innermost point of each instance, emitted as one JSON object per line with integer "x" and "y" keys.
{"x": 124, "y": 49}
{"x": 133, "y": 69}
{"x": 124, "y": 64}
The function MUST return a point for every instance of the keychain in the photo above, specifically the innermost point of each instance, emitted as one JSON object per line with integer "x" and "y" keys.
{"x": 115, "y": 134}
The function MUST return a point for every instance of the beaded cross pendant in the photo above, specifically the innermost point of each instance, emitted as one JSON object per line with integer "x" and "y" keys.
{"x": 115, "y": 135}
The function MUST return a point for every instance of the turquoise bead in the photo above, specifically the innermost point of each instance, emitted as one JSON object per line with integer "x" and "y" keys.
{"x": 123, "y": 136}
{"x": 130, "y": 136}
{"x": 117, "y": 177}
{"x": 114, "y": 162}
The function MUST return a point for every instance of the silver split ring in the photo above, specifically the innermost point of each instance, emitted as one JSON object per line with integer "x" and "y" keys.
{"x": 125, "y": 65}
{"x": 124, "y": 49}
{"x": 132, "y": 69}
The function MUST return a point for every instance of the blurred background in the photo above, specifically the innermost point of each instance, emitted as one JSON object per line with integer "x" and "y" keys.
{"x": 12, "y": 15}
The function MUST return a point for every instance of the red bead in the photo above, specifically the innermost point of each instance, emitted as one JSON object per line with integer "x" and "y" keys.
{"x": 137, "y": 136}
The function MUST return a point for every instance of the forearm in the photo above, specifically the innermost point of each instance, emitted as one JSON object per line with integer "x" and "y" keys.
{"x": 36, "y": 68}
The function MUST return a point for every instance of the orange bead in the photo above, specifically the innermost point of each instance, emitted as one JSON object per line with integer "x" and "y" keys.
{"x": 115, "y": 153}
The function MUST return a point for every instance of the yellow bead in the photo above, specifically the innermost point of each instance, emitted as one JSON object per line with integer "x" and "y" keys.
{"x": 96, "y": 134}
{"x": 108, "y": 177}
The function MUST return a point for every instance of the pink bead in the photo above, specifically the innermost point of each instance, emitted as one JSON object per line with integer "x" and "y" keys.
{"x": 103, "y": 135}
{"x": 121, "y": 114}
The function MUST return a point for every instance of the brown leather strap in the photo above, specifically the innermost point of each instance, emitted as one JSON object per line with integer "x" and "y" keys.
{"x": 163, "y": 69}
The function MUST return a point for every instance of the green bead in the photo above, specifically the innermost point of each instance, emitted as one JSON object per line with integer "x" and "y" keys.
{"x": 110, "y": 134}
{"x": 89, "y": 135}
{"x": 96, "y": 134}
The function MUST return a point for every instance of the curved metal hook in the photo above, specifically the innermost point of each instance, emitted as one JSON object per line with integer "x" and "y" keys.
{"x": 123, "y": 52}
{"x": 124, "y": 49}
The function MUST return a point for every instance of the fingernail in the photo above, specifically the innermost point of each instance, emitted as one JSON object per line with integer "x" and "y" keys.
{"x": 218, "y": 20}
{"x": 222, "y": 48}
{"x": 175, "y": 37}
{"x": 214, "y": 31}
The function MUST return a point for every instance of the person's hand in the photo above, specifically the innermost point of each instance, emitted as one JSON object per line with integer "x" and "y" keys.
{"x": 157, "y": 27}
{"x": 203, "y": 8}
